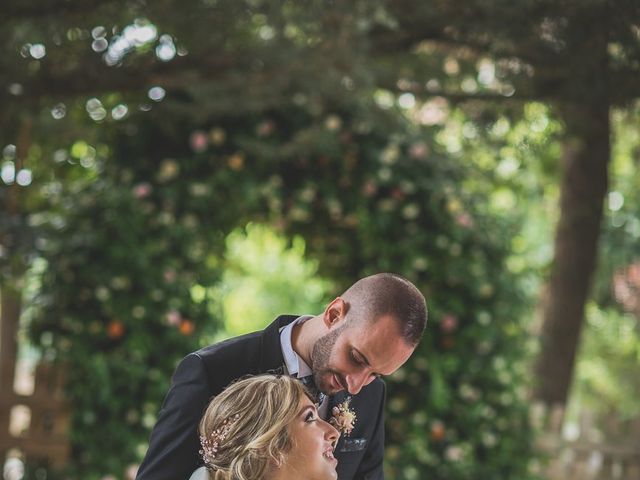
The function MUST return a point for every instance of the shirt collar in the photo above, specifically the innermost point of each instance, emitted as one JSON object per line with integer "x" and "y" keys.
{"x": 293, "y": 362}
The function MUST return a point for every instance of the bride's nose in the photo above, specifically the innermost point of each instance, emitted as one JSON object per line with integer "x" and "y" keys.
{"x": 331, "y": 434}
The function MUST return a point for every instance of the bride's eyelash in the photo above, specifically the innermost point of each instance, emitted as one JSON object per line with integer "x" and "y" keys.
{"x": 310, "y": 417}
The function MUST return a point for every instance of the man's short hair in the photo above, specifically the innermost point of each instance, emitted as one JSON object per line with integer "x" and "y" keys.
{"x": 389, "y": 294}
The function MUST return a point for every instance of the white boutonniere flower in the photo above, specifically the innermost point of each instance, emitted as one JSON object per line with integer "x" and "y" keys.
{"x": 343, "y": 417}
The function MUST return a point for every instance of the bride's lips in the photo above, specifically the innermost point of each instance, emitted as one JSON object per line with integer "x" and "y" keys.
{"x": 328, "y": 455}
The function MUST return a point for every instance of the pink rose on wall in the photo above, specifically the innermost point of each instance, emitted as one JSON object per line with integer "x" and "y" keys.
{"x": 198, "y": 141}
{"x": 449, "y": 323}
{"x": 142, "y": 190}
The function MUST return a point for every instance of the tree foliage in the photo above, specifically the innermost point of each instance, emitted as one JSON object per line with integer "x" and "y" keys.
{"x": 366, "y": 191}
{"x": 153, "y": 130}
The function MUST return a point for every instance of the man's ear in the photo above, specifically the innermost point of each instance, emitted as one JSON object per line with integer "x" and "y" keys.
{"x": 335, "y": 312}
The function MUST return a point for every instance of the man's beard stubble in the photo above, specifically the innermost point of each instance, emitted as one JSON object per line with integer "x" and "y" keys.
{"x": 320, "y": 355}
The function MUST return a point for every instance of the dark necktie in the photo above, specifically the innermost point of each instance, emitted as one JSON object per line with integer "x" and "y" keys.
{"x": 313, "y": 390}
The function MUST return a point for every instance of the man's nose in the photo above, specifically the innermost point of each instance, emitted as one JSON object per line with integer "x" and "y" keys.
{"x": 356, "y": 382}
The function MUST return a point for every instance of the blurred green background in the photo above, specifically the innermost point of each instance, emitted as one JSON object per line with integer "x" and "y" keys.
{"x": 175, "y": 173}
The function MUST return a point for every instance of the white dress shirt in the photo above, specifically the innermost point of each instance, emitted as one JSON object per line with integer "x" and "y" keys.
{"x": 294, "y": 365}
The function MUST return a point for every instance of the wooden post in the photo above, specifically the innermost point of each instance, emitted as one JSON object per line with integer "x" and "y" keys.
{"x": 46, "y": 437}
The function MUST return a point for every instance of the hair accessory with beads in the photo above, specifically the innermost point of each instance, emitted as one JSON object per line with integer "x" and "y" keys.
{"x": 211, "y": 444}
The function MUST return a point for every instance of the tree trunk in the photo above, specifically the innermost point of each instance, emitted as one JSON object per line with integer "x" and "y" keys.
{"x": 585, "y": 159}
{"x": 9, "y": 317}
{"x": 10, "y": 299}
{"x": 10, "y": 287}
{"x": 10, "y": 305}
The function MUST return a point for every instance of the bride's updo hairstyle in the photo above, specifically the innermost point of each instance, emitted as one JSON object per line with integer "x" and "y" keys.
{"x": 244, "y": 431}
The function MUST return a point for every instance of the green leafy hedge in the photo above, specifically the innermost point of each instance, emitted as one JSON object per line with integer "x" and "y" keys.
{"x": 133, "y": 256}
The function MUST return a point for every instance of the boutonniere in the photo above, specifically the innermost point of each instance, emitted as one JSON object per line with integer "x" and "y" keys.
{"x": 343, "y": 417}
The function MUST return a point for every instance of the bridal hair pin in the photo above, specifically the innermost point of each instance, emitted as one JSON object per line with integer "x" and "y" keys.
{"x": 210, "y": 444}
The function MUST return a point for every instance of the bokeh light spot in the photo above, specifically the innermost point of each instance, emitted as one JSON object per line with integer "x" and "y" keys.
{"x": 8, "y": 172}
{"x": 95, "y": 109}
{"x": 9, "y": 152}
{"x": 139, "y": 34}
{"x": 60, "y": 156}
{"x": 99, "y": 32}
{"x": 59, "y": 111}
{"x": 15, "y": 89}
{"x": 119, "y": 111}
{"x": 266, "y": 33}
{"x": 433, "y": 85}
{"x": 383, "y": 98}
{"x": 13, "y": 469}
{"x": 156, "y": 93}
{"x": 407, "y": 100}
{"x": 616, "y": 201}
{"x": 486, "y": 72}
{"x": 37, "y": 51}
{"x": 99, "y": 45}
{"x": 469, "y": 85}
{"x": 24, "y": 177}
{"x": 166, "y": 50}
{"x": 88, "y": 162}
{"x": 24, "y": 50}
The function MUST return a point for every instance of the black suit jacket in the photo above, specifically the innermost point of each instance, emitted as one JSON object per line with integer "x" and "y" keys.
{"x": 174, "y": 443}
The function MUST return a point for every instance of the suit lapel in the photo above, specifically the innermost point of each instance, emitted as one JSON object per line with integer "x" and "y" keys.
{"x": 271, "y": 359}
{"x": 336, "y": 400}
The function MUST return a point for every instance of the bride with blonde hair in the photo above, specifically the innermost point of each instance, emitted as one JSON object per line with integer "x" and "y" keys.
{"x": 266, "y": 427}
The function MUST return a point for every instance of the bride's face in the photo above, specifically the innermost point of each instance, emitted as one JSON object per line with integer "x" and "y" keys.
{"x": 313, "y": 439}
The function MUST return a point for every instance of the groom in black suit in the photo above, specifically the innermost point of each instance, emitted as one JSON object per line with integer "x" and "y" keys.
{"x": 363, "y": 335}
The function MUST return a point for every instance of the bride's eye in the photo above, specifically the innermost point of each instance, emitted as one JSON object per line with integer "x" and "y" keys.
{"x": 310, "y": 417}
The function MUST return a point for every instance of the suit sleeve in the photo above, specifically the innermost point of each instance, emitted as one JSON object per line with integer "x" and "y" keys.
{"x": 371, "y": 466}
{"x": 173, "y": 446}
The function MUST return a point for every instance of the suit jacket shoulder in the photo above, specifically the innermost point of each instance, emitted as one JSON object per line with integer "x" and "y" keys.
{"x": 229, "y": 360}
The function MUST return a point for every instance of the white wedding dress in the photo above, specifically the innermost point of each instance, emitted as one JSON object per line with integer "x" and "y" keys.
{"x": 200, "y": 474}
